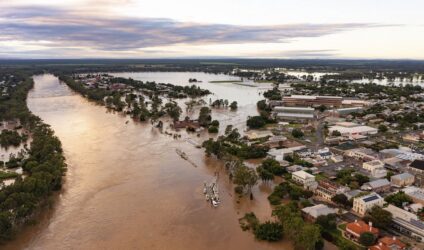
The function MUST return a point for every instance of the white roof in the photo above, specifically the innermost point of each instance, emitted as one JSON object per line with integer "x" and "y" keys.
{"x": 318, "y": 210}
{"x": 302, "y": 174}
{"x": 353, "y": 130}
{"x": 378, "y": 183}
{"x": 293, "y": 108}
{"x": 298, "y": 115}
{"x": 415, "y": 192}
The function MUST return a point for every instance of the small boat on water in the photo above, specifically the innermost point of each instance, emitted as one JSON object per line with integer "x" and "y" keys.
{"x": 211, "y": 192}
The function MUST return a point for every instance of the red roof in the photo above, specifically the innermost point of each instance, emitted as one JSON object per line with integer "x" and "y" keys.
{"x": 387, "y": 242}
{"x": 360, "y": 227}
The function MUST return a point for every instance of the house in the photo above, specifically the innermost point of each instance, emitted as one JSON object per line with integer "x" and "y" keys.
{"x": 275, "y": 141}
{"x": 352, "y": 193}
{"x": 355, "y": 229}
{"x": 388, "y": 243}
{"x": 186, "y": 123}
{"x": 401, "y": 180}
{"x": 327, "y": 189}
{"x": 256, "y": 134}
{"x": 364, "y": 154}
{"x": 295, "y": 168}
{"x": 304, "y": 178}
{"x": 324, "y": 153}
{"x": 379, "y": 186}
{"x": 312, "y": 213}
{"x": 280, "y": 154}
{"x": 337, "y": 158}
{"x": 417, "y": 169}
{"x": 415, "y": 193}
{"x": 364, "y": 203}
{"x": 407, "y": 223}
{"x": 376, "y": 168}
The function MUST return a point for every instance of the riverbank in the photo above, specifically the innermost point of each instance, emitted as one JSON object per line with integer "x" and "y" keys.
{"x": 43, "y": 165}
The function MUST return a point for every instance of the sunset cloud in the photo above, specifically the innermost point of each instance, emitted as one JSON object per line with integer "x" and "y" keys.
{"x": 67, "y": 29}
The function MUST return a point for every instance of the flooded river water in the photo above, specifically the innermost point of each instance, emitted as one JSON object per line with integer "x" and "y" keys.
{"x": 126, "y": 188}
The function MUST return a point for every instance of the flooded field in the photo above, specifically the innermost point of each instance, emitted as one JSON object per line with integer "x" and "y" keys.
{"x": 126, "y": 188}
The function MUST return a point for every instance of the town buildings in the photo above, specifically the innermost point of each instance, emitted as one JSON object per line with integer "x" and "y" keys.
{"x": 311, "y": 101}
{"x": 376, "y": 168}
{"x": 294, "y": 113}
{"x": 305, "y": 179}
{"x": 353, "y": 130}
{"x": 355, "y": 229}
{"x": 388, "y": 243}
{"x": 327, "y": 189}
{"x": 415, "y": 193}
{"x": 406, "y": 223}
{"x": 417, "y": 169}
{"x": 364, "y": 203}
{"x": 401, "y": 180}
{"x": 379, "y": 186}
{"x": 312, "y": 213}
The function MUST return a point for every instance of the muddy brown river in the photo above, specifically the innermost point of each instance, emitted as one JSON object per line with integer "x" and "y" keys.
{"x": 126, "y": 188}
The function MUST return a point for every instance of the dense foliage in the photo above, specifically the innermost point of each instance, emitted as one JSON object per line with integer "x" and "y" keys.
{"x": 44, "y": 166}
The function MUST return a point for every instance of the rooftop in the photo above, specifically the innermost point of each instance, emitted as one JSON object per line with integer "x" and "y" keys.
{"x": 318, "y": 210}
{"x": 302, "y": 174}
{"x": 370, "y": 197}
{"x": 403, "y": 176}
{"x": 418, "y": 164}
{"x": 378, "y": 183}
{"x": 359, "y": 227}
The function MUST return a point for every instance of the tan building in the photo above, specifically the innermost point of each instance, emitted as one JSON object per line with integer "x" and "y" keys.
{"x": 364, "y": 203}
{"x": 327, "y": 189}
{"x": 401, "y": 180}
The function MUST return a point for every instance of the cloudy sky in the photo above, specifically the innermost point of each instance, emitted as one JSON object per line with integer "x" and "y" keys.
{"x": 386, "y": 29}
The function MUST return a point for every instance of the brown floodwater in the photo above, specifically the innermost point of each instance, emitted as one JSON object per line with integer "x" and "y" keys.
{"x": 126, "y": 188}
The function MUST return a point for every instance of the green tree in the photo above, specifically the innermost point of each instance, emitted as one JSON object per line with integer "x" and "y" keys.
{"x": 341, "y": 199}
{"x": 367, "y": 239}
{"x": 269, "y": 231}
{"x": 173, "y": 110}
{"x": 297, "y": 133}
{"x": 398, "y": 199}
{"x": 245, "y": 177}
{"x": 379, "y": 217}
{"x": 382, "y": 128}
{"x": 308, "y": 237}
{"x": 213, "y": 129}
{"x": 215, "y": 123}
{"x": 336, "y": 133}
{"x": 205, "y": 116}
{"x": 255, "y": 122}
{"x": 327, "y": 222}
{"x": 233, "y": 105}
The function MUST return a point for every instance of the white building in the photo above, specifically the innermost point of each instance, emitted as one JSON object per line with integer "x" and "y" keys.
{"x": 305, "y": 179}
{"x": 294, "y": 113}
{"x": 407, "y": 223}
{"x": 376, "y": 168}
{"x": 364, "y": 203}
{"x": 352, "y": 130}
{"x": 312, "y": 213}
